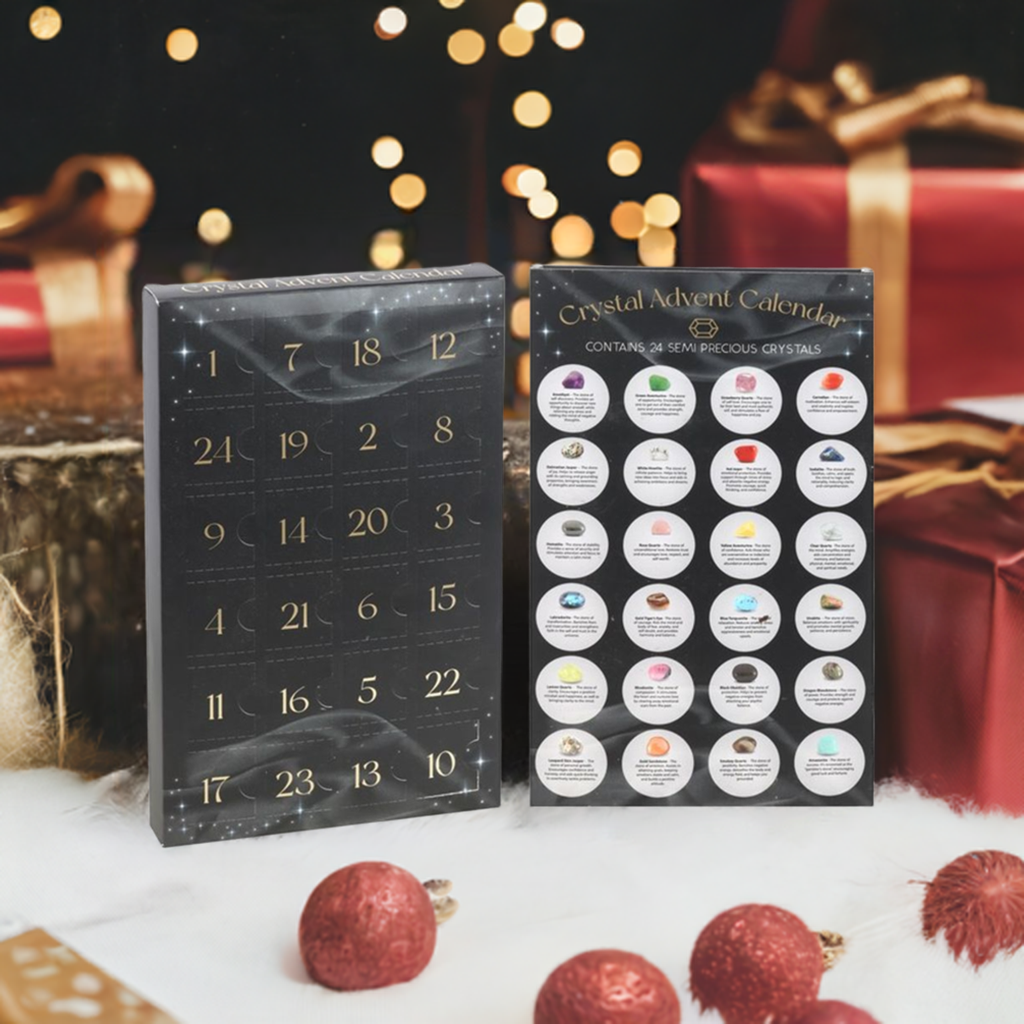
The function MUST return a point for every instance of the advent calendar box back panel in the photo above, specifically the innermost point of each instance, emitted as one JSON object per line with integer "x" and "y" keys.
{"x": 701, "y": 577}
{"x": 323, "y": 500}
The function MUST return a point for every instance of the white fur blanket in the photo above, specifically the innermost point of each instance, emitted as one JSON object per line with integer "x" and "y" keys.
{"x": 209, "y": 932}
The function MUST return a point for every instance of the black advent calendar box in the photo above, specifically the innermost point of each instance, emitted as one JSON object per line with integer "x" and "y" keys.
{"x": 701, "y": 577}
{"x": 323, "y": 500}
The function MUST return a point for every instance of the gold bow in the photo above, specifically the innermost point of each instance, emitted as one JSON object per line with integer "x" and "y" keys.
{"x": 91, "y": 203}
{"x": 782, "y": 112}
{"x": 846, "y": 116}
{"x": 960, "y": 453}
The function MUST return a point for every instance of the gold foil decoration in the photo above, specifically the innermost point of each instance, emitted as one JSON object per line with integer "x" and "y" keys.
{"x": 531, "y": 109}
{"x": 182, "y": 45}
{"x": 466, "y": 46}
{"x": 45, "y": 23}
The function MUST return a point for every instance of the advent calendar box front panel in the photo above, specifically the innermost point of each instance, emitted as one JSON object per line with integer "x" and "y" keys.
{"x": 323, "y": 498}
{"x": 701, "y": 577}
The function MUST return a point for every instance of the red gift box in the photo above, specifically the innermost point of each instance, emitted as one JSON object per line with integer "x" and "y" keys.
{"x": 955, "y": 269}
{"x": 65, "y": 256}
{"x": 24, "y": 335}
{"x": 950, "y": 658}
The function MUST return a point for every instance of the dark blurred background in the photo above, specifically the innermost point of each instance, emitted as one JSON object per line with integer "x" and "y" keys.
{"x": 274, "y": 117}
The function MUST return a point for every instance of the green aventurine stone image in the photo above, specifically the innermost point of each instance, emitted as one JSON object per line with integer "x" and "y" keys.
{"x": 659, "y": 383}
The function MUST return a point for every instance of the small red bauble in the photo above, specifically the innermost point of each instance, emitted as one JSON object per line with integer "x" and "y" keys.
{"x": 366, "y": 926}
{"x": 832, "y": 1011}
{"x": 756, "y": 964}
{"x": 607, "y": 986}
{"x": 977, "y": 900}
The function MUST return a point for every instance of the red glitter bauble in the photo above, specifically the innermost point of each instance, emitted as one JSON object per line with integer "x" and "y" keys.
{"x": 832, "y": 1011}
{"x": 977, "y": 900}
{"x": 607, "y": 986}
{"x": 756, "y": 964}
{"x": 366, "y": 926}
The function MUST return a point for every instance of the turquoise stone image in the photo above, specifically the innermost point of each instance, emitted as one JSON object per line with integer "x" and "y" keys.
{"x": 828, "y": 746}
{"x": 745, "y": 603}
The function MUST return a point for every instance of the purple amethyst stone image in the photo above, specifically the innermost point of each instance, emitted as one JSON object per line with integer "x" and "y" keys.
{"x": 573, "y": 380}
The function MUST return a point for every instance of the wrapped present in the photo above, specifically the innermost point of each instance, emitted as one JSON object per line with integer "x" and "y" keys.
{"x": 64, "y": 262}
{"x": 950, "y": 588}
{"x": 822, "y": 175}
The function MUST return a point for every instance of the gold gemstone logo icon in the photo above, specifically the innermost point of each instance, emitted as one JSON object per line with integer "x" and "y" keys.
{"x": 703, "y": 327}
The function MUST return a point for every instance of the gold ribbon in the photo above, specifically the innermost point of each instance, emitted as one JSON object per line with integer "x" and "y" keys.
{"x": 906, "y": 438}
{"x": 91, "y": 203}
{"x": 846, "y": 116}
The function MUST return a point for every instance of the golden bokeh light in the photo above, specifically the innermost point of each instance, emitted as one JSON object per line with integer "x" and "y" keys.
{"x": 519, "y": 319}
{"x": 451, "y": 4}
{"x": 530, "y": 15}
{"x": 182, "y": 45}
{"x": 214, "y": 226}
{"x": 531, "y": 109}
{"x": 391, "y": 22}
{"x": 662, "y": 210}
{"x": 657, "y": 247}
{"x": 408, "y": 191}
{"x": 531, "y": 180}
{"x": 521, "y": 274}
{"x": 572, "y": 237}
{"x": 543, "y": 205}
{"x": 510, "y": 179}
{"x": 628, "y": 220}
{"x": 466, "y": 46}
{"x": 387, "y": 250}
{"x": 624, "y": 158}
{"x": 514, "y": 41}
{"x": 523, "y": 373}
{"x": 568, "y": 34}
{"x": 45, "y": 22}
{"x": 387, "y": 152}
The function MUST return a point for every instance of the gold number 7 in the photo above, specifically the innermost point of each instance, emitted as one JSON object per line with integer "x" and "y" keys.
{"x": 294, "y": 347}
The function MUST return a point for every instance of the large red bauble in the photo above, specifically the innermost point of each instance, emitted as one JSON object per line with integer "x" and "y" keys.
{"x": 832, "y": 1011}
{"x": 366, "y": 926}
{"x": 978, "y": 901}
{"x": 607, "y": 986}
{"x": 756, "y": 964}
